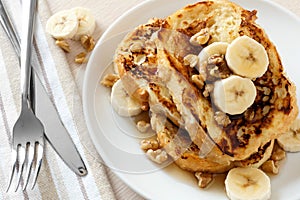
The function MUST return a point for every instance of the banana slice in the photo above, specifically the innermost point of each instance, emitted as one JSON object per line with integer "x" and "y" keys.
{"x": 212, "y": 49}
{"x": 62, "y": 25}
{"x": 234, "y": 94}
{"x": 86, "y": 22}
{"x": 247, "y": 184}
{"x": 246, "y": 57}
{"x": 122, "y": 103}
{"x": 290, "y": 141}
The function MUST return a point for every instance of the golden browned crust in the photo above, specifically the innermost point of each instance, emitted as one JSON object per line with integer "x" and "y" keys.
{"x": 263, "y": 153}
{"x": 184, "y": 152}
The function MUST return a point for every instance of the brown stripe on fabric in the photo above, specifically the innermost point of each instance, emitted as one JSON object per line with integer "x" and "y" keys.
{"x": 11, "y": 63}
{"x": 4, "y": 116}
{"x": 26, "y": 197}
{"x": 82, "y": 188}
{"x": 120, "y": 188}
{"x": 45, "y": 182}
{"x": 98, "y": 172}
{"x": 59, "y": 186}
{"x": 93, "y": 159}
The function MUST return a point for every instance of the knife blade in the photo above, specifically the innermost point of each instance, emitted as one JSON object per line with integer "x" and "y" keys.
{"x": 55, "y": 131}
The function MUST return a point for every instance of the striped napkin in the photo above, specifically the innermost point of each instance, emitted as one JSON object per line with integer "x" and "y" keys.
{"x": 63, "y": 80}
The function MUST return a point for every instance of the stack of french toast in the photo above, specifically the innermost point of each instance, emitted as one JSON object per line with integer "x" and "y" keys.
{"x": 213, "y": 84}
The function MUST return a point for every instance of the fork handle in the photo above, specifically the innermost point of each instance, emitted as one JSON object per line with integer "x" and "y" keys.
{"x": 11, "y": 32}
{"x": 28, "y": 17}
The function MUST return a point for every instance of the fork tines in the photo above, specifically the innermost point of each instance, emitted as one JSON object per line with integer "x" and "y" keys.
{"x": 27, "y": 160}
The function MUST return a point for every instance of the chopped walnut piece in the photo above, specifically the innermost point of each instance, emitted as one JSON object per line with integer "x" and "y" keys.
{"x": 222, "y": 119}
{"x": 109, "y": 80}
{"x": 136, "y": 47}
{"x": 64, "y": 45}
{"x": 190, "y": 60}
{"x": 87, "y": 42}
{"x": 142, "y": 126}
{"x": 215, "y": 59}
{"x": 139, "y": 59}
{"x": 150, "y": 46}
{"x": 217, "y": 67}
{"x": 270, "y": 166}
{"x": 159, "y": 156}
{"x": 81, "y": 58}
{"x": 198, "y": 80}
{"x": 200, "y": 38}
{"x": 278, "y": 153}
{"x": 207, "y": 90}
{"x": 149, "y": 144}
{"x": 214, "y": 71}
{"x": 204, "y": 179}
{"x": 141, "y": 95}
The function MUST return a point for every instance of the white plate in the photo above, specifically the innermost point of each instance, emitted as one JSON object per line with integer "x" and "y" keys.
{"x": 117, "y": 140}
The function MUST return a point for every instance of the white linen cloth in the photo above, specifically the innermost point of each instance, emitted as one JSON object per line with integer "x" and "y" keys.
{"x": 63, "y": 79}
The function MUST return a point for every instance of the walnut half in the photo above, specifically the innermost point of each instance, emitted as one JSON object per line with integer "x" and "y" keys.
{"x": 278, "y": 153}
{"x": 201, "y": 37}
{"x": 143, "y": 126}
{"x": 198, "y": 80}
{"x": 204, "y": 179}
{"x": 190, "y": 60}
{"x": 222, "y": 119}
{"x": 81, "y": 58}
{"x": 270, "y": 166}
{"x": 159, "y": 156}
{"x": 64, "y": 45}
{"x": 87, "y": 42}
{"x": 109, "y": 80}
{"x": 149, "y": 144}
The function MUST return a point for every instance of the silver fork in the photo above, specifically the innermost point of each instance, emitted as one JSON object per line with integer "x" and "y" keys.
{"x": 28, "y": 131}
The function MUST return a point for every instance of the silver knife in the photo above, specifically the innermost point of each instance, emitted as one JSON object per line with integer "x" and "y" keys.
{"x": 55, "y": 131}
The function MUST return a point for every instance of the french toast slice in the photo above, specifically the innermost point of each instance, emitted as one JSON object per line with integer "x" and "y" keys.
{"x": 258, "y": 158}
{"x": 186, "y": 154}
{"x": 153, "y": 73}
{"x": 268, "y": 117}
